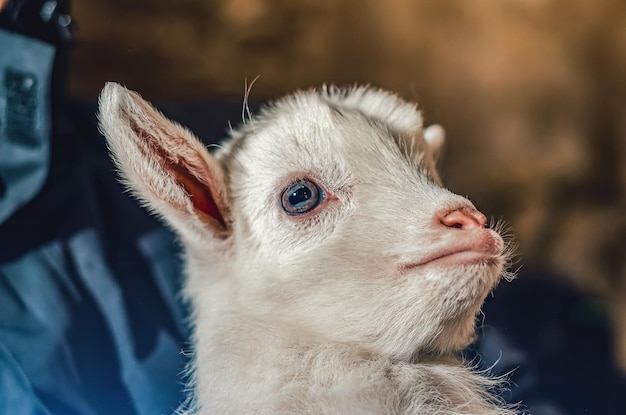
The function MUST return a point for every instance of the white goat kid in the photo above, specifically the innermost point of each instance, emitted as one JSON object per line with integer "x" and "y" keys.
{"x": 328, "y": 270}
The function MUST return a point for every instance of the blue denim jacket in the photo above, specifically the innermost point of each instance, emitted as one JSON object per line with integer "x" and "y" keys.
{"x": 48, "y": 296}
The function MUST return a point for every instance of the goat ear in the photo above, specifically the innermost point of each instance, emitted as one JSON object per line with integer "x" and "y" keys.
{"x": 435, "y": 137}
{"x": 164, "y": 164}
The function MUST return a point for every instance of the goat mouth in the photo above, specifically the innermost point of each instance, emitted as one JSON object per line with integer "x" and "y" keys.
{"x": 480, "y": 249}
{"x": 460, "y": 257}
{"x": 455, "y": 258}
{"x": 487, "y": 253}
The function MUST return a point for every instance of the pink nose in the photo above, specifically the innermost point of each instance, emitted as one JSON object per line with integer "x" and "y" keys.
{"x": 465, "y": 218}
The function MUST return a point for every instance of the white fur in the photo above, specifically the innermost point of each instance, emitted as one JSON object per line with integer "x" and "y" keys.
{"x": 327, "y": 312}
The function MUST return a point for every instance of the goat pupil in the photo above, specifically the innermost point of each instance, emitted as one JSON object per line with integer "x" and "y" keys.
{"x": 300, "y": 196}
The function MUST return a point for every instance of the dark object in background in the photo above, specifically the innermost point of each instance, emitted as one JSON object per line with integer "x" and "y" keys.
{"x": 35, "y": 38}
{"x": 45, "y": 20}
{"x": 558, "y": 341}
{"x": 49, "y": 22}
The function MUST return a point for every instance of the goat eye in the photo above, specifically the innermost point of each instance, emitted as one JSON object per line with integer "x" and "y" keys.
{"x": 301, "y": 196}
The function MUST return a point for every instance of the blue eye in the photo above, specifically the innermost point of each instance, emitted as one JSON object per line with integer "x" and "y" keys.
{"x": 301, "y": 196}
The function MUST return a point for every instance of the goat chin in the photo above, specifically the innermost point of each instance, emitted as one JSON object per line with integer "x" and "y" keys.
{"x": 328, "y": 269}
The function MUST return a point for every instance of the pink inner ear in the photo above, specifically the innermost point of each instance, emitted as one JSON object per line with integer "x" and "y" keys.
{"x": 187, "y": 173}
{"x": 200, "y": 194}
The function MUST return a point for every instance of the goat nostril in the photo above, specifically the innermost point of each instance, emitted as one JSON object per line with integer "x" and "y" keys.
{"x": 464, "y": 219}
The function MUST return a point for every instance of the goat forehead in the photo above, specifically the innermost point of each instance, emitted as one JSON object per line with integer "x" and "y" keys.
{"x": 318, "y": 137}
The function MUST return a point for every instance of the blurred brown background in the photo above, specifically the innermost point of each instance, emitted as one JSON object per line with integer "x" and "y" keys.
{"x": 532, "y": 93}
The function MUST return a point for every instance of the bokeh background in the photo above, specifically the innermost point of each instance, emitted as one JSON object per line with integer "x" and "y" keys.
{"x": 532, "y": 94}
